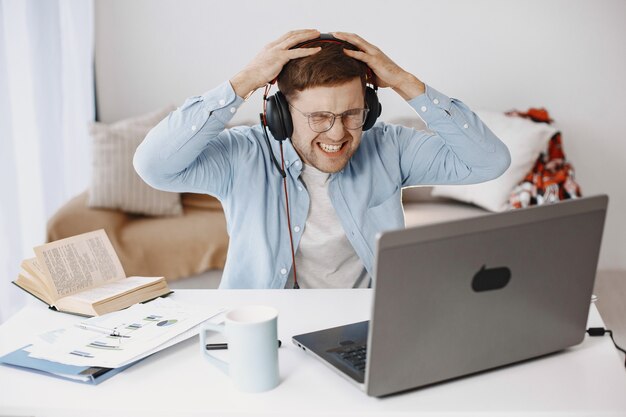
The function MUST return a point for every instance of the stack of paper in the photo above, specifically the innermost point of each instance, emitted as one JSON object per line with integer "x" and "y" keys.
{"x": 99, "y": 347}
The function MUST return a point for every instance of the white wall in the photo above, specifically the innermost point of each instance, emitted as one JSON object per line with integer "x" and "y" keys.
{"x": 568, "y": 56}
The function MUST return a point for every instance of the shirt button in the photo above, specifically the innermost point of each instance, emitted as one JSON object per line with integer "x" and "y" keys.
{"x": 283, "y": 271}
{"x": 465, "y": 126}
{"x": 232, "y": 109}
{"x": 193, "y": 128}
{"x": 286, "y": 162}
{"x": 299, "y": 188}
{"x": 436, "y": 101}
{"x": 222, "y": 102}
{"x": 297, "y": 163}
{"x": 297, "y": 228}
{"x": 423, "y": 109}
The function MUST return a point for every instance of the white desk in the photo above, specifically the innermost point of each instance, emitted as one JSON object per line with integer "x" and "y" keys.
{"x": 588, "y": 379}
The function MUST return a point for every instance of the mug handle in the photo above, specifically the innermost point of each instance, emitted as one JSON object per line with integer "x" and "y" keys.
{"x": 219, "y": 328}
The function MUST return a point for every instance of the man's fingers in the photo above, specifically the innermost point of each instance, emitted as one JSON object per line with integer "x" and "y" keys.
{"x": 298, "y": 37}
{"x": 302, "y": 52}
{"x": 355, "y": 40}
{"x": 360, "y": 55}
{"x": 290, "y": 34}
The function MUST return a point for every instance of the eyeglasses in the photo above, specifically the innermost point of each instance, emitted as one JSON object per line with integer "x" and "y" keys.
{"x": 323, "y": 121}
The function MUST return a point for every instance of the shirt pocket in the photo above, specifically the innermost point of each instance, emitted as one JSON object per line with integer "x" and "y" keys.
{"x": 184, "y": 124}
{"x": 387, "y": 214}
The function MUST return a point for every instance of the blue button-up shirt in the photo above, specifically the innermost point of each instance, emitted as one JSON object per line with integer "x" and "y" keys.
{"x": 191, "y": 151}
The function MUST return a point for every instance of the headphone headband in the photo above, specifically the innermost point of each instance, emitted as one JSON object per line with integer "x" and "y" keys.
{"x": 326, "y": 38}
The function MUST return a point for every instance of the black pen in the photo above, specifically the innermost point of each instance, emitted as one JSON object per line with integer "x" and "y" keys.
{"x": 222, "y": 346}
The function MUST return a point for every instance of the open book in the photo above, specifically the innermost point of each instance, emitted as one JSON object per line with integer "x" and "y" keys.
{"x": 83, "y": 275}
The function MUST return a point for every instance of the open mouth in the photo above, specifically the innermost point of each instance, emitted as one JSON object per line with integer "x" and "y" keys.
{"x": 331, "y": 149}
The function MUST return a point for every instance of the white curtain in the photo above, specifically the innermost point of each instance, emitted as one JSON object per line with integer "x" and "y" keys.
{"x": 46, "y": 103}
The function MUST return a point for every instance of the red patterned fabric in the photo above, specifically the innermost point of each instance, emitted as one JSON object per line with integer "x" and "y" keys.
{"x": 552, "y": 178}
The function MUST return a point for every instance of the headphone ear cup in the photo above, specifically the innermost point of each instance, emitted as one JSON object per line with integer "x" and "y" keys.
{"x": 278, "y": 117}
{"x": 372, "y": 103}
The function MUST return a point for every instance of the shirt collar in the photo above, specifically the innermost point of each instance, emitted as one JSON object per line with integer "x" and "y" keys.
{"x": 292, "y": 159}
{"x": 291, "y": 156}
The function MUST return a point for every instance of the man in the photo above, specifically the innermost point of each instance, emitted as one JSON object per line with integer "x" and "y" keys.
{"x": 343, "y": 184}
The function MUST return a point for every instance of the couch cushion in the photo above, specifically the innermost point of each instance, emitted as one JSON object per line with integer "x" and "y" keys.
{"x": 174, "y": 246}
{"x": 418, "y": 195}
{"x": 438, "y": 210}
{"x": 115, "y": 184}
{"x": 203, "y": 201}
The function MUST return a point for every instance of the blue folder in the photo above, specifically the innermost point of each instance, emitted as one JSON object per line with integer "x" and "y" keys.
{"x": 20, "y": 358}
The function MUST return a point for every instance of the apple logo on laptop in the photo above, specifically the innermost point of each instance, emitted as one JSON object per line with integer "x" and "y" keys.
{"x": 488, "y": 279}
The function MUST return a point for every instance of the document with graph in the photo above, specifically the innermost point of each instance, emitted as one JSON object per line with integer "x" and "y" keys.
{"x": 120, "y": 338}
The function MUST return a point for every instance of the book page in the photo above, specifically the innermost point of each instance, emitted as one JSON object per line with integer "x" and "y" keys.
{"x": 33, "y": 286}
{"x": 79, "y": 262}
{"x": 110, "y": 290}
{"x": 31, "y": 266}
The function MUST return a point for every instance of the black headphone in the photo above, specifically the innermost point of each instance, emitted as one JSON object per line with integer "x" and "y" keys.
{"x": 277, "y": 118}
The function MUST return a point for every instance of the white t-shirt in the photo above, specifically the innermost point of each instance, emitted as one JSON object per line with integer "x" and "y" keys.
{"x": 325, "y": 258}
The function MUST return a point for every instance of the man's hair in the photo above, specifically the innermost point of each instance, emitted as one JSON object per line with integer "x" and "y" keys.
{"x": 328, "y": 67}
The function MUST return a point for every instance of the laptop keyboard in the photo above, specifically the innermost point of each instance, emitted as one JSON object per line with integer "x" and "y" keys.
{"x": 355, "y": 355}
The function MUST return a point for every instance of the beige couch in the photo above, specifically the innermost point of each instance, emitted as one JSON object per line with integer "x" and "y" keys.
{"x": 421, "y": 208}
{"x": 181, "y": 246}
{"x": 174, "y": 247}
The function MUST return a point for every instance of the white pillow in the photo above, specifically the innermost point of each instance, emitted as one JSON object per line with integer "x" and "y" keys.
{"x": 115, "y": 184}
{"x": 525, "y": 139}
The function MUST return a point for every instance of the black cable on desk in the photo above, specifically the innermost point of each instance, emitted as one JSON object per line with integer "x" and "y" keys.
{"x": 600, "y": 331}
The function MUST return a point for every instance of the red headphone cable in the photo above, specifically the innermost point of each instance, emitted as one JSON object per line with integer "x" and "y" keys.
{"x": 283, "y": 174}
{"x": 293, "y": 255}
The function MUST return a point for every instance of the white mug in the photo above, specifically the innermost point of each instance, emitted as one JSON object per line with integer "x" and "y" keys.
{"x": 251, "y": 334}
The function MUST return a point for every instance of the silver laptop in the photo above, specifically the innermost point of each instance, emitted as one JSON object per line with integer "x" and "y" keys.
{"x": 456, "y": 298}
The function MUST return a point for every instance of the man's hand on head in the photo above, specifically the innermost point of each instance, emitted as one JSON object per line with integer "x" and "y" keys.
{"x": 266, "y": 66}
{"x": 387, "y": 72}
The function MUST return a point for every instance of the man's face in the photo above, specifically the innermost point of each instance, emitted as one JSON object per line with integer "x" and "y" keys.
{"x": 329, "y": 151}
